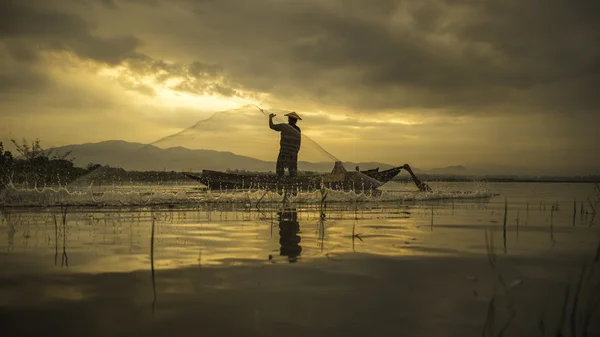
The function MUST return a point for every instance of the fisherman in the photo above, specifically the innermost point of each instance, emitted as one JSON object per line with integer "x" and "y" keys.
{"x": 289, "y": 145}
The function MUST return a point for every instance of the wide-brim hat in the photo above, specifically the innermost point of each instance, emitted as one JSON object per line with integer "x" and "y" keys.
{"x": 293, "y": 115}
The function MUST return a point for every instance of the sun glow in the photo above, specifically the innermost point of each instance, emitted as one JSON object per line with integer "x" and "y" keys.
{"x": 164, "y": 94}
{"x": 175, "y": 98}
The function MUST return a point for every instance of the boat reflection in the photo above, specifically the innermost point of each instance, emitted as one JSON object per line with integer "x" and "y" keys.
{"x": 289, "y": 228}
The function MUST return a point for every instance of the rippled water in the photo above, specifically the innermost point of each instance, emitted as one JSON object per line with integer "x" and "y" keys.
{"x": 184, "y": 194}
{"x": 354, "y": 265}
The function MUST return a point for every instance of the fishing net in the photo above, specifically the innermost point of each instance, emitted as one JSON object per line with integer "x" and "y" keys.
{"x": 237, "y": 143}
{"x": 240, "y": 139}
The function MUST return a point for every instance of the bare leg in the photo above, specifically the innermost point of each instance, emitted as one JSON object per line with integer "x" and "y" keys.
{"x": 280, "y": 167}
{"x": 293, "y": 166}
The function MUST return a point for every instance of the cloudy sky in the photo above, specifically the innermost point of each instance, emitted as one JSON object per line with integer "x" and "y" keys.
{"x": 429, "y": 82}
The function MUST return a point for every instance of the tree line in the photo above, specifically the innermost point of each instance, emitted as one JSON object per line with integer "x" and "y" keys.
{"x": 33, "y": 165}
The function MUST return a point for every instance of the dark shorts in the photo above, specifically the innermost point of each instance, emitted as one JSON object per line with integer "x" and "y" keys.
{"x": 289, "y": 161}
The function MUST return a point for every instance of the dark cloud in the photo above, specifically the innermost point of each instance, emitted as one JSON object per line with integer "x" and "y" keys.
{"x": 445, "y": 58}
{"x": 29, "y": 27}
{"x": 21, "y": 51}
{"x": 16, "y": 76}
{"x": 110, "y": 4}
{"x": 115, "y": 4}
{"x": 200, "y": 70}
{"x": 20, "y": 20}
{"x": 464, "y": 56}
{"x": 461, "y": 55}
{"x": 58, "y": 30}
{"x": 142, "y": 65}
{"x": 222, "y": 90}
{"x": 22, "y": 82}
{"x": 196, "y": 77}
{"x": 141, "y": 88}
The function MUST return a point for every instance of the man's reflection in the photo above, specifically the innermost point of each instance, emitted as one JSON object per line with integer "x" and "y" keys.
{"x": 288, "y": 234}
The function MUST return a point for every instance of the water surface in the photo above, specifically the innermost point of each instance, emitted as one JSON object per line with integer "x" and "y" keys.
{"x": 402, "y": 263}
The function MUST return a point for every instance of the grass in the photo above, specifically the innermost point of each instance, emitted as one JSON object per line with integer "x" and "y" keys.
{"x": 355, "y": 235}
{"x": 152, "y": 264}
{"x": 322, "y": 210}
{"x": 432, "y": 218}
{"x": 580, "y": 304}
{"x": 574, "y": 211}
{"x": 65, "y": 257}
{"x": 12, "y": 221}
{"x": 323, "y": 200}
{"x": 580, "y": 301}
{"x": 554, "y": 209}
{"x": 504, "y": 223}
{"x": 517, "y": 221}
{"x": 489, "y": 326}
{"x": 592, "y": 206}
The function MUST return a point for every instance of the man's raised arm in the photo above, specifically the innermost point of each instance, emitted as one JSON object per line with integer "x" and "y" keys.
{"x": 276, "y": 127}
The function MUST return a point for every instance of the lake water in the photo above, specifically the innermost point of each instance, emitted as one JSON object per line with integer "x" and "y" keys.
{"x": 166, "y": 260}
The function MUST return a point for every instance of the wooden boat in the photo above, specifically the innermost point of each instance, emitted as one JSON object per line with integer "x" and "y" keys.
{"x": 338, "y": 179}
{"x": 383, "y": 176}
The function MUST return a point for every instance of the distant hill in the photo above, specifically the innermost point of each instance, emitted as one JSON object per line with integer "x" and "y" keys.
{"x": 142, "y": 157}
{"x": 450, "y": 170}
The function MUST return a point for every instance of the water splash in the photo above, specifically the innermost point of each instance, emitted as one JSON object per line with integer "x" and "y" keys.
{"x": 145, "y": 195}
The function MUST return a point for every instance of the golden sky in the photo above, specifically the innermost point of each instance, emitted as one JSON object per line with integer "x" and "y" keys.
{"x": 432, "y": 83}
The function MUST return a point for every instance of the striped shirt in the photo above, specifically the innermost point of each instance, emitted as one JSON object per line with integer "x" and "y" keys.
{"x": 290, "y": 138}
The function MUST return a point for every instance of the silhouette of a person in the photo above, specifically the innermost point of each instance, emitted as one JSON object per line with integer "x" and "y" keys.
{"x": 288, "y": 234}
{"x": 289, "y": 145}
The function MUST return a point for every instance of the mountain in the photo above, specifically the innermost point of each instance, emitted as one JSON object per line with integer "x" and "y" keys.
{"x": 477, "y": 169}
{"x": 142, "y": 157}
{"x": 448, "y": 170}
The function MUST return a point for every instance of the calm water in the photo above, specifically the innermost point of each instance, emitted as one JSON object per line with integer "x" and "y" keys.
{"x": 406, "y": 262}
